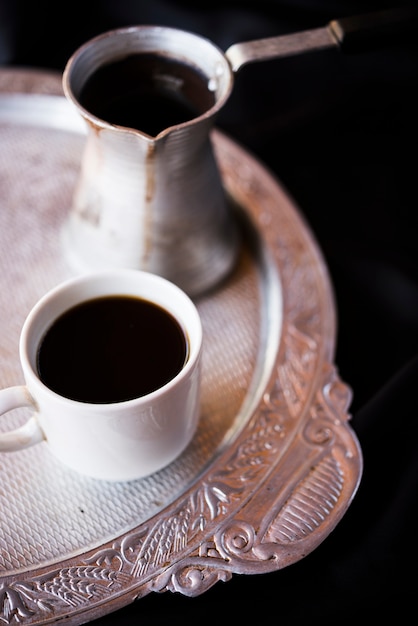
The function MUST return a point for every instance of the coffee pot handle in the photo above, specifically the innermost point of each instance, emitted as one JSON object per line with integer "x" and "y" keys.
{"x": 27, "y": 435}
{"x": 370, "y": 31}
{"x": 357, "y": 33}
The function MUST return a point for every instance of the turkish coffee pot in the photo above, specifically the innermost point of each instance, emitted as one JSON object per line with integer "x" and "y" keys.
{"x": 149, "y": 193}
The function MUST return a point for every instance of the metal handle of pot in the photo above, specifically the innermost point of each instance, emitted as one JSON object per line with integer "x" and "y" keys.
{"x": 369, "y": 31}
{"x": 350, "y": 34}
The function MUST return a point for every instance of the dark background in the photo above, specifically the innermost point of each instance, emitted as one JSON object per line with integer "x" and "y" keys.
{"x": 339, "y": 130}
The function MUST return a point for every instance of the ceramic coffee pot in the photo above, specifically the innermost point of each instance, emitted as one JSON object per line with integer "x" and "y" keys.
{"x": 149, "y": 194}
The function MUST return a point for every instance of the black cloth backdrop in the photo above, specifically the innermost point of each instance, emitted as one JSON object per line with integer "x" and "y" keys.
{"x": 340, "y": 133}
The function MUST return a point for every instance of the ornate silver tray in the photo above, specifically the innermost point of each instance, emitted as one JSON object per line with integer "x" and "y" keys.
{"x": 274, "y": 464}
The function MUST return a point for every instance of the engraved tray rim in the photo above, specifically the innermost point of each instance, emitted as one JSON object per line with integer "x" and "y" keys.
{"x": 299, "y": 431}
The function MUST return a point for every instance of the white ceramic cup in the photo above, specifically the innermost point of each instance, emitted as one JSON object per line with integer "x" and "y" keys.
{"x": 116, "y": 441}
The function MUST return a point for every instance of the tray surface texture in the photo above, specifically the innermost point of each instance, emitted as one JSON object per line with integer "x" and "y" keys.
{"x": 274, "y": 464}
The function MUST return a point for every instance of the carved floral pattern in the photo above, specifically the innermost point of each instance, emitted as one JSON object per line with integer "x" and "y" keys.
{"x": 72, "y": 586}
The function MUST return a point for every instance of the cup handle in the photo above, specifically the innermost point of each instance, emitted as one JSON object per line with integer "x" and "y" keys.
{"x": 27, "y": 435}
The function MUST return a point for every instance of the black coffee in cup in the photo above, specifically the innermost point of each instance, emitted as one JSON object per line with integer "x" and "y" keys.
{"x": 146, "y": 92}
{"x": 111, "y": 349}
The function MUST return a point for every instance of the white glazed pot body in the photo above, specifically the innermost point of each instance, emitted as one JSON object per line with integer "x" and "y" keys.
{"x": 151, "y": 203}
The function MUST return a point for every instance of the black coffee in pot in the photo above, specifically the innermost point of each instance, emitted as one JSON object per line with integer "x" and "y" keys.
{"x": 111, "y": 349}
{"x": 147, "y": 92}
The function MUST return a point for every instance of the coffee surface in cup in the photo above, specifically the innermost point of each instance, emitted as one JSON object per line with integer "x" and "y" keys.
{"x": 111, "y": 349}
{"x": 146, "y": 92}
